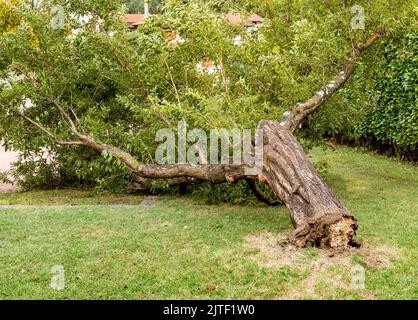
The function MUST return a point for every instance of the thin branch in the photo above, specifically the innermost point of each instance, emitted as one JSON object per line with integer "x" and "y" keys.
{"x": 293, "y": 118}
{"x": 173, "y": 83}
{"x": 36, "y": 85}
{"x": 65, "y": 115}
{"x": 49, "y": 133}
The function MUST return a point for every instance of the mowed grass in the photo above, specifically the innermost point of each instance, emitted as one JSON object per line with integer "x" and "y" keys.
{"x": 182, "y": 248}
{"x": 67, "y": 197}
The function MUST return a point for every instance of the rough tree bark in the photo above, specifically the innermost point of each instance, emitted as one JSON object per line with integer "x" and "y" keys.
{"x": 318, "y": 216}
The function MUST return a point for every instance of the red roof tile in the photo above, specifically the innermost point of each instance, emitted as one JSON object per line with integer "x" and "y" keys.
{"x": 134, "y": 19}
{"x": 254, "y": 18}
{"x": 233, "y": 18}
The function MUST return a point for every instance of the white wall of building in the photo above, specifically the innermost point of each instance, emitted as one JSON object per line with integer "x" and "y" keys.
{"x": 6, "y": 158}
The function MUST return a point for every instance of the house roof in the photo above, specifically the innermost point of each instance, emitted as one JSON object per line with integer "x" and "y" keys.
{"x": 256, "y": 18}
{"x": 232, "y": 18}
{"x": 235, "y": 19}
{"x": 134, "y": 19}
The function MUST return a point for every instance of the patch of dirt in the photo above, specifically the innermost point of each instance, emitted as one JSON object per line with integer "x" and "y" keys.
{"x": 324, "y": 283}
{"x": 320, "y": 276}
{"x": 381, "y": 256}
{"x": 271, "y": 254}
{"x": 327, "y": 270}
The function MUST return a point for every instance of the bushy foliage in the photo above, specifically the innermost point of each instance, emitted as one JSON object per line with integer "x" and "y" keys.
{"x": 121, "y": 87}
{"x": 378, "y": 106}
{"x": 394, "y": 115}
{"x": 9, "y": 19}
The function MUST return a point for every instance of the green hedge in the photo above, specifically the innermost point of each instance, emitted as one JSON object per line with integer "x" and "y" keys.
{"x": 394, "y": 117}
{"x": 378, "y": 107}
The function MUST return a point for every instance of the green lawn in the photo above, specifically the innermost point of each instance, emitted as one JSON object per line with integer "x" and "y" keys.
{"x": 67, "y": 197}
{"x": 182, "y": 248}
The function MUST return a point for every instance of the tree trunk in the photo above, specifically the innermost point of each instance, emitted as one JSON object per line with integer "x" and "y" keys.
{"x": 318, "y": 216}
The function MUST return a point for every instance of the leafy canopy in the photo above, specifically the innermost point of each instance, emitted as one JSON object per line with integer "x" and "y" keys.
{"x": 121, "y": 86}
{"x": 8, "y": 17}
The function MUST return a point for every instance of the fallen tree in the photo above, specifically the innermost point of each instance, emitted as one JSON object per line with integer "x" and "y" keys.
{"x": 318, "y": 216}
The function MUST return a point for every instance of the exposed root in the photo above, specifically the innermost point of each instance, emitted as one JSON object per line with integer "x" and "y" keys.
{"x": 325, "y": 233}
